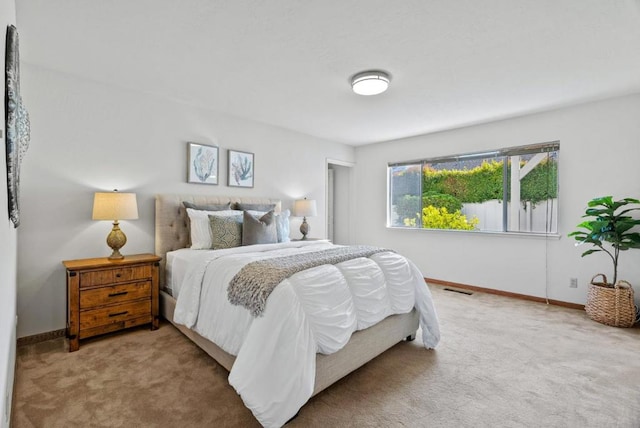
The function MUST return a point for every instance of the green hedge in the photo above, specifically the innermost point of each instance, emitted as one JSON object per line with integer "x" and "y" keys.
{"x": 541, "y": 183}
{"x": 484, "y": 182}
{"x": 408, "y": 206}
{"x": 441, "y": 200}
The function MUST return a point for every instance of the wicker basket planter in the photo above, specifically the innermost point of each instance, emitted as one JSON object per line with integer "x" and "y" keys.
{"x": 611, "y": 305}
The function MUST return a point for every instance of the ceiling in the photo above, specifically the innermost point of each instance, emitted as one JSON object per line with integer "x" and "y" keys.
{"x": 287, "y": 62}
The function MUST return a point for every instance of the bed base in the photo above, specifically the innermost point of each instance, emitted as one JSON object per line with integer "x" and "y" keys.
{"x": 363, "y": 346}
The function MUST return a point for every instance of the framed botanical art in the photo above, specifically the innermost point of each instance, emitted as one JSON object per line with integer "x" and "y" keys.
{"x": 202, "y": 164}
{"x": 240, "y": 170}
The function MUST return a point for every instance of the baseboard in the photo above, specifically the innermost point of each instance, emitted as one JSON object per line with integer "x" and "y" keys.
{"x": 505, "y": 293}
{"x": 37, "y": 338}
{"x": 9, "y": 388}
{"x": 13, "y": 386}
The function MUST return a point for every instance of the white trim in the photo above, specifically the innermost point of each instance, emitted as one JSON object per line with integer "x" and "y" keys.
{"x": 340, "y": 162}
{"x": 555, "y": 236}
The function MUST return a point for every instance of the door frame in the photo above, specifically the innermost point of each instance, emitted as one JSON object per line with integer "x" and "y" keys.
{"x": 351, "y": 192}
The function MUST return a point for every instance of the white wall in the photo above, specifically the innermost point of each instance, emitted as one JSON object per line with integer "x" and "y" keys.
{"x": 8, "y": 239}
{"x": 88, "y": 137}
{"x": 599, "y": 155}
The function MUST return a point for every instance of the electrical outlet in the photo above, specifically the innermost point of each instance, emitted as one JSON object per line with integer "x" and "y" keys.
{"x": 573, "y": 283}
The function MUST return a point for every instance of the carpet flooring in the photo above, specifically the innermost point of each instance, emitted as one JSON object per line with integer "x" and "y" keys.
{"x": 501, "y": 362}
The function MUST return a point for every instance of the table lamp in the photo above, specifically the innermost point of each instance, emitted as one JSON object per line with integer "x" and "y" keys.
{"x": 115, "y": 206}
{"x": 304, "y": 208}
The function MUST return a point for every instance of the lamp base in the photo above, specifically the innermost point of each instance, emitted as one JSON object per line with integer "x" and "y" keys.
{"x": 115, "y": 255}
{"x": 304, "y": 228}
{"x": 115, "y": 241}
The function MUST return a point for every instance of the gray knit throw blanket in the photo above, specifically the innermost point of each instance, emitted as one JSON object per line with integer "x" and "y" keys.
{"x": 256, "y": 280}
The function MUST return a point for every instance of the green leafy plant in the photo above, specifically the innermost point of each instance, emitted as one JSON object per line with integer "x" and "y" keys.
{"x": 441, "y": 218}
{"x": 439, "y": 200}
{"x": 408, "y": 207}
{"x": 606, "y": 225}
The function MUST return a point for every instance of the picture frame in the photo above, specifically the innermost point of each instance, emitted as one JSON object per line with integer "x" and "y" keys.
{"x": 240, "y": 170}
{"x": 202, "y": 163}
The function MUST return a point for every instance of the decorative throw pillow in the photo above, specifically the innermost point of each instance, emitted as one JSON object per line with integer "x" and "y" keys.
{"x": 259, "y": 231}
{"x": 254, "y": 207}
{"x": 226, "y": 231}
{"x": 282, "y": 226}
{"x": 209, "y": 207}
{"x": 200, "y": 231}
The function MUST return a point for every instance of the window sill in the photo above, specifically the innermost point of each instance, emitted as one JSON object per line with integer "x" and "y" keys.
{"x": 554, "y": 236}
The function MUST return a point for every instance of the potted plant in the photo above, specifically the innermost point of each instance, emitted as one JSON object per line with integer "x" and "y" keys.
{"x": 609, "y": 228}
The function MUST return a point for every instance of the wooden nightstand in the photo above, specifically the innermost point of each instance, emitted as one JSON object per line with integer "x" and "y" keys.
{"x": 108, "y": 295}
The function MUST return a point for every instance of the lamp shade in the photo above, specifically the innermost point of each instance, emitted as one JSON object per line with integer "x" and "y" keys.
{"x": 114, "y": 206}
{"x": 305, "y": 208}
{"x": 372, "y": 82}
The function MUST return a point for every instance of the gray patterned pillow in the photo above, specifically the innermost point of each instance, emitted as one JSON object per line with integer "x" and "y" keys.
{"x": 226, "y": 232}
{"x": 259, "y": 231}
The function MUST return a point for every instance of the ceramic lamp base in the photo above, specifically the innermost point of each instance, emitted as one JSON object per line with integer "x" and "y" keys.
{"x": 115, "y": 241}
{"x": 304, "y": 228}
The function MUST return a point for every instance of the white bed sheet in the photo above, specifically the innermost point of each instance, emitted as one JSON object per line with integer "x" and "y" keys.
{"x": 176, "y": 267}
{"x": 313, "y": 311}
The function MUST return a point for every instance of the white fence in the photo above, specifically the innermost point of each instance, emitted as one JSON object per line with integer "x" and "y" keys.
{"x": 541, "y": 218}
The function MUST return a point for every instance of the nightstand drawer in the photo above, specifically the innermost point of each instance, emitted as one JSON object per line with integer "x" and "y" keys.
{"x": 109, "y": 276}
{"x": 114, "y": 294}
{"x": 114, "y": 314}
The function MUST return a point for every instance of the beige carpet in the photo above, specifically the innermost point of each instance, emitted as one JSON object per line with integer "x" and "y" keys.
{"x": 501, "y": 363}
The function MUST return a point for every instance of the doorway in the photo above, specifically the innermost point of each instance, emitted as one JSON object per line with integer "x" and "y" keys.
{"x": 339, "y": 200}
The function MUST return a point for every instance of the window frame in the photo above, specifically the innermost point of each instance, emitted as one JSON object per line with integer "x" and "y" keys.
{"x": 546, "y": 147}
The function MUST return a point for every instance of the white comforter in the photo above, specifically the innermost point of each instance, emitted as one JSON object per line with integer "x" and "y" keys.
{"x": 313, "y": 311}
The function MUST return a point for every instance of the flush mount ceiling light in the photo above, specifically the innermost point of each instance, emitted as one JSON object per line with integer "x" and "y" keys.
{"x": 372, "y": 82}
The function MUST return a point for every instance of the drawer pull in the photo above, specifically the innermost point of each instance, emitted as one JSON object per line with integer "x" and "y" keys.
{"x": 118, "y": 275}
{"x": 118, "y": 314}
{"x": 120, "y": 293}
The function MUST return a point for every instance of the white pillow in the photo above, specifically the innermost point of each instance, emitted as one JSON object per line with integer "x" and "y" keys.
{"x": 282, "y": 226}
{"x": 201, "y": 238}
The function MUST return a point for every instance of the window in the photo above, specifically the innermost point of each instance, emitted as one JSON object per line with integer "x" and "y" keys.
{"x": 468, "y": 191}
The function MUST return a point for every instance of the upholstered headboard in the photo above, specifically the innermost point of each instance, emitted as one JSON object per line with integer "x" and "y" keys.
{"x": 172, "y": 223}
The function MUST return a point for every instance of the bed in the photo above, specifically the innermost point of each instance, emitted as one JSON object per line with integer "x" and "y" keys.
{"x": 172, "y": 235}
